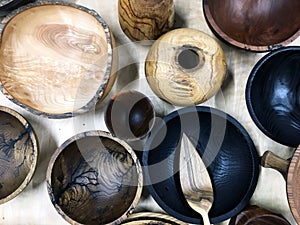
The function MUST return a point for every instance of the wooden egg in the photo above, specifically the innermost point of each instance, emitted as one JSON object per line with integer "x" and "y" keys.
{"x": 56, "y": 59}
{"x": 185, "y": 67}
{"x": 129, "y": 115}
{"x": 145, "y": 19}
{"x": 8, "y": 5}
{"x": 18, "y": 153}
{"x": 254, "y": 24}
{"x": 94, "y": 178}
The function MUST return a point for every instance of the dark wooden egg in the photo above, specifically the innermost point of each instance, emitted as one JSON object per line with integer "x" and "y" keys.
{"x": 272, "y": 95}
{"x": 94, "y": 178}
{"x": 129, "y": 115}
{"x": 254, "y": 24}
{"x": 18, "y": 153}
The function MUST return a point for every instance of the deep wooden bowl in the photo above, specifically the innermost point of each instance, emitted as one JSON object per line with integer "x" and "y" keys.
{"x": 94, "y": 178}
{"x": 18, "y": 153}
{"x": 254, "y": 24}
{"x": 7, "y": 6}
{"x": 57, "y": 59}
{"x": 226, "y": 149}
{"x": 129, "y": 115}
{"x": 272, "y": 95}
{"x": 254, "y": 215}
{"x": 151, "y": 218}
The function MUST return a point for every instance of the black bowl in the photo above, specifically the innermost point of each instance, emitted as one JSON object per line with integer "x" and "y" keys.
{"x": 273, "y": 95}
{"x": 226, "y": 149}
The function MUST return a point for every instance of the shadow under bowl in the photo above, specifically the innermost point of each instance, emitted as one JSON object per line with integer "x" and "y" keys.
{"x": 94, "y": 178}
{"x": 254, "y": 24}
{"x": 272, "y": 95}
{"x": 225, "y": 148}
{"x": 18, "y": 153}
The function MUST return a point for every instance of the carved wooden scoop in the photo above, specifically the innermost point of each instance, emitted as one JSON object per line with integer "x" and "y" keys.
{"x": 194, "y": 179}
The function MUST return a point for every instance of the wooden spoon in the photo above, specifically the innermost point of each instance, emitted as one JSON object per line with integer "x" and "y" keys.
{"x": 194, "y": 179}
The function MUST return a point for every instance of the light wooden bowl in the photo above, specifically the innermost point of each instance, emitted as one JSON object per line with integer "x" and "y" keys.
{"x": 18, "y": 153}
{"x": 57, "y": 59}
{"x": 94, "y": 178}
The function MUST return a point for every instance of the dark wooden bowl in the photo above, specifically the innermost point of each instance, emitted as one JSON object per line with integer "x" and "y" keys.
{"x": 226, "y": 149}
{"x": 94, "y": 178}
{"x": 254, "y": 215}
{"x": 129, "y": 115}
{"x": 18, "y": 153}
{"x": 6, "y": 6}
{"x": 253, "y": 24}
{"x": 57, "y": 59}
{"x": 272, "y": 95}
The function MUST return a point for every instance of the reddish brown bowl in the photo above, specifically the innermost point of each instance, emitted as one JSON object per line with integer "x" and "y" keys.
{"x": 254, "y": 24}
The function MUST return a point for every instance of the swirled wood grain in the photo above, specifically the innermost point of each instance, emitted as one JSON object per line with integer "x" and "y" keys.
{"x": 18, "y": 153}
{"x": 145, "y": 20}
{"x": 58, "y": 64}
{"x": 94, "y": 180}
{"x": 185, "y": 67}
{"x": 254, "y": 24}
{"x": 151, "y": 218}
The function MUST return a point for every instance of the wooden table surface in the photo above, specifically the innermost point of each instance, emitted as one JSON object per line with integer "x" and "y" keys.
{"x": 33, "y": 205}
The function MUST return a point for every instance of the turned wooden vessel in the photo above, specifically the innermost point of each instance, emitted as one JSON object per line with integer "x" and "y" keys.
{"x": 254, "y": 24}
{"x": 129, "y": 115}
{"x": 185, "y": 67}
{"x": 151, "y": 218}
{"x": 56, "y": 59}
{"x": 254, "y": 215}
{"x": 145, "y": 19}
{"x": 18, "y": 153}
{"x": 290, "y": 169}
{"x": 94, "y": 178}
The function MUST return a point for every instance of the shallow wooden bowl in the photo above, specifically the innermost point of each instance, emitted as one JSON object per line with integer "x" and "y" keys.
{"x": 94, "y": 178}
{"x": 254, "y": 24}
{"x": 129, "y": 115}
{"x": 7, "y": 6}
{"x": 56, "y": 59}
{"x": 18, "y": 153}
{"x": 272, "y": 95}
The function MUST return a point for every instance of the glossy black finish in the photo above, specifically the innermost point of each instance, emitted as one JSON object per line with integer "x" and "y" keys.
{"x": 11, "y": 5}
{"x": 226, "y": 149}
{"x": 273, "y": 95}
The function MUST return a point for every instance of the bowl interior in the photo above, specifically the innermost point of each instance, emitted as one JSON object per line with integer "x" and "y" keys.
{"x": 17, "y": 154}
{"x": 94, "y": 180}
{"x": 225, "y": 148}
{"x": 53, "y": 58}
{"x": 272, "y": 95}
{"x": 254, "y": 22}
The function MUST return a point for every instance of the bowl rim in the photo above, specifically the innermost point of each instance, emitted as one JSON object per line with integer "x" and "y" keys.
{"x": 255, "y": 160}
{"x": 98, "y": 133}
{"x": 217, "y": 30}
{"x": 35, "y": 154}
{"x": 100, "y": 93}
{"x": 248, "y": 90}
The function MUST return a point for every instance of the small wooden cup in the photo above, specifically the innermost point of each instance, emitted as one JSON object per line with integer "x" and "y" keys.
{"x": 18, "y": 153}
{"x": 56, "y": 59}
{"x": 94, "y": 178}
{"x": 185, "y": 67}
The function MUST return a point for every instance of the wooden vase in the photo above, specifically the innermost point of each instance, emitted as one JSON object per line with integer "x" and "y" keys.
{"x": 145, "y": 19}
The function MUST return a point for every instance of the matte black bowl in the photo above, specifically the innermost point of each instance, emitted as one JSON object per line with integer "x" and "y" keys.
{"x": 226, "y": 149}
{"x": 273, "y": 95}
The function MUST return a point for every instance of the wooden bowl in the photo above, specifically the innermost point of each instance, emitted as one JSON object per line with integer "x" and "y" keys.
{"x": 57, "y": 59}
{"x": 7, "y": 6}
{"x": 129, "y": 115}
{"x": 151, "y": 218}
{"x": 18, "y": 153}
{"x": 94, "y": 178}
{"x": 185, "y": 67}
{"x": 253, "y": 24}
{"x": 226, "y": 149}
{"x": 272, "y": 95}
{"x": 254, "y": 215}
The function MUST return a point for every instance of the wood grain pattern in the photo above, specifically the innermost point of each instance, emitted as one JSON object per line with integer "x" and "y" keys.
{"x": 254, "y": 24}
{"x": 270, "y": 160}
{"x": 60, "y": 63}
{"x": 145, "y": 19}
{"x": 195, "y": 180}
{"x": 94, "y": 179}
{"x": 185, "y": 67}
{"x": 18, "y": 153}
